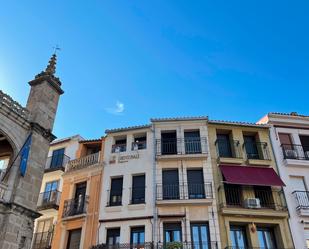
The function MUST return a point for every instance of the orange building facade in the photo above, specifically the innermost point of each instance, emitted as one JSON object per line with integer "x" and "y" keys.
{"x": 79, "y": 206}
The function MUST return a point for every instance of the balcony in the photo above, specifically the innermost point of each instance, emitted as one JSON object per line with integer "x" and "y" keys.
{"x": 295, "y": 154}
{"x": 184, "y": 193}
{"x": 185, "y": 147}
{"x": 49, "y": 200}
{"x": 77, "y": 206}
{"x": 116, "y": 148}
{"x": 257, "y": 153}
{"x": 229, "y": 151}
{"x": 139, "y": 145}
{"x": 302, "y": 202}
{"x": 252, "y": 201}
{"x": 56, "y": 163}
{"x": 83, "y": 162}
{"x": 42, "y": 240}
{"x": 167, "y": 245}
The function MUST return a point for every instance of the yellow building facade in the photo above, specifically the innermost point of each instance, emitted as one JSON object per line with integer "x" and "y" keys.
{"x": 79, "y": 206}
{"x": 251, "y": 205}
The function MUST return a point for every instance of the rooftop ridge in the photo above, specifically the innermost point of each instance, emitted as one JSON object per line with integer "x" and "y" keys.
{"x": 127, "y": 128}
{"x": 183, "y": 118}
{"x": 238, "y": 123}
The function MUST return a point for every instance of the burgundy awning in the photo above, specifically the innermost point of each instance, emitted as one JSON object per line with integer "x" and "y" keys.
{"x": 246, "y": 175}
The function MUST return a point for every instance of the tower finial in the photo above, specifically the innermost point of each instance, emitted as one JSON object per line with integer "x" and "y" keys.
{"x": 51, "y": 67}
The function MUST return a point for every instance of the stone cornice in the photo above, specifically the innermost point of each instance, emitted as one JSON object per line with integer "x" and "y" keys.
{"x": 44, "y": 132}
{"x": 21, "y": 209}
{"x": 53, "y": 81}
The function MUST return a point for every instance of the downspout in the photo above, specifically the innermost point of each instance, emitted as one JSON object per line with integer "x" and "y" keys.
{"x": 155, "y": 213}
{"x": 278, "y": 168}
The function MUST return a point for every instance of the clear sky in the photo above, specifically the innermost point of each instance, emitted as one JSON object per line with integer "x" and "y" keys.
{"x": 123, "y": 62}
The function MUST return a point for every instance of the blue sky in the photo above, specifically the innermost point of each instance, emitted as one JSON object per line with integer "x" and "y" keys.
{"x": 123, "y": 62}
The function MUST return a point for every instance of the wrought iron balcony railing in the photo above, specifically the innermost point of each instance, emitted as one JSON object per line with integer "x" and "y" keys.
{"x": 295, "y": 151}
{"x": 140, "y": 145}
{"x": 257, "y": 150}
{"x": 75, "y": 206}
{"x": 259, "y": 199}
{"x": 228, "y": 149}
{"x": 184, "y": 191}
{"x": 42, "y": 240}
{"x": 163, "y": 245}
{"x": 56, "y": 162}
{"x": 83, "y": 162}
{"x": 119, "y": 148}
{"x": 302, "y": 199}
{"x": 183, "y": 146}
{"x": 49, "y": 199}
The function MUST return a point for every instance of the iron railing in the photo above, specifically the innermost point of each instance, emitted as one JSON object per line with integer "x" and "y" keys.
{"x": 146, "y": 245}
{"x": 114, "y": 198}
{"x": 302, "y": 199}
{"x": 184, "y": 191}
{"x": 257, "y": 150}
{"x": 140, "y": 145}
{"x": 184, "y": 146}
{"x": 228, "y": 148}
{"x": 295, "y": 151}
{"x": 163, "y": 245}
{"x": 49, "y": 199}
{"x": 137, "y": 195}
{"x": 56, "y": 162}
{"x": 83, "y": 162}
{"x": 75, "y": 206}
{"x": 268, "y": 199}
{"x": 119, "y": 148}
{"x": 42, "y": 240}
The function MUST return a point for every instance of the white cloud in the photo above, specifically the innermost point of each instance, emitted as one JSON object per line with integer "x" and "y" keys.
{"x": 118, "y": 109}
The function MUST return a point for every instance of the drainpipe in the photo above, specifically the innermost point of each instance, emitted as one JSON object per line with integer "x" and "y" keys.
{"x": 155, "y": 213}
{"x": 278, "y": 168}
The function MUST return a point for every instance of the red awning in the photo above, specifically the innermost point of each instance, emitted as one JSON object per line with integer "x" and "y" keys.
{"x": 246, "y": 175}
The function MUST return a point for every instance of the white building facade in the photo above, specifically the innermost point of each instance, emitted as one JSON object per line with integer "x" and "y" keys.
{"x": 186, "y": 210}
{"x": 126, "y": 210}
{"x": 290, "y": 139}
{"x": 61, "y": 151}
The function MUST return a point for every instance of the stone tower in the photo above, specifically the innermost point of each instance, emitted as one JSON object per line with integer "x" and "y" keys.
{"x": 25, "y": 134}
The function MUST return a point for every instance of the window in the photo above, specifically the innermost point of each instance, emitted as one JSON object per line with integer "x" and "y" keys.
{"x": 4, "y": 162}
{"x": 113, "y": 236}
{"x": 170, "y": 184}
{"x": 74, "y": 239}
{"x": 251, "y": 147}
{"x": 137, "y": 235}
{"x": 238, "y": 237}
{"x": 168, "y": 143}
{"x": 50, "y": 191}
{"x": 116, "y": 192}
{"x": 266, "y": 238}
{"x": 233, "y": 194}
{"x": 120, "y": 145}
{"x": 57, "y": 158}
{"x": 200, "y": 236}
{"x": 192, "y": 142}
{"x": 305, "y": 144}
{"x": 224, "y": 145}
{"x": 80, "y": 198}
{"x": 172, "y": 232}
{"x": 195, "y": 184}
{"x": 138, "y": 189}
{"x": 43, "y": 235}
{"x": 140, "y": 143}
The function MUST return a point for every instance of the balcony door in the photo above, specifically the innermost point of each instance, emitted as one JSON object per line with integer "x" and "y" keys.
{"x": 168, "y": 143}
{"x": 301, "y": 193}
{"x": 266, "y": 238}
{"x": 251, "y": 147}
{"x": 138, "y": 189}
{"x": 43, "y": 235}
{"x": 172, "y": 232}
{"x": 238, "y": 237}
{"x": 113, "y": 236}
{"x": 50, "y": 192}
{"x": 57, "y": 158}
{"x": 116, "y": 192}
{"x": 170, "y": 184}
{"x": 80, "y": 195}
{"x": 195, "y": 184}
{"x": 224, "y": 145}
{"x": 200, "y": 236}
{"x": 192, "y": 142}
{"x": 137, "y": 235}
{"x": 74, "y": 239}
{"x": 304, "y": 140}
